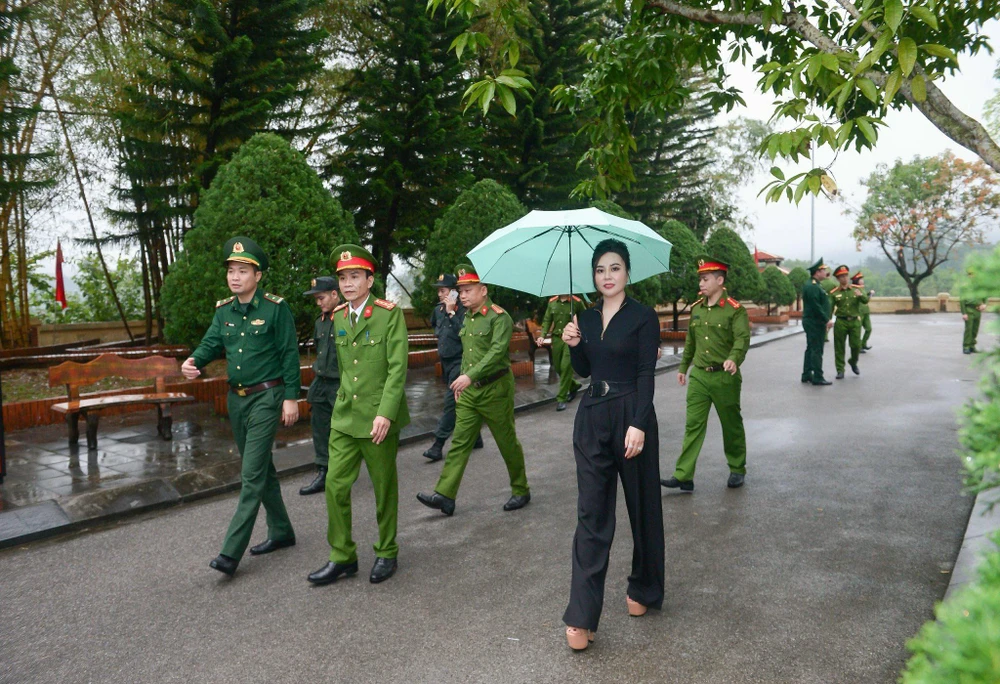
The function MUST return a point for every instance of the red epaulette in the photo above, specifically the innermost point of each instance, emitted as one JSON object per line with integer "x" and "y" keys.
{"x": 388, "y": 306}
{"x": 735, "y": 304}
{"x": 497, "y": 309}
{"x": 576, "y": 299}
{"x": 342, "y": 306}
{"x": 552, "y": 299}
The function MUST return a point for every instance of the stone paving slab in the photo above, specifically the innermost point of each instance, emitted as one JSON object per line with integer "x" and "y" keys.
{"x": 132, "y": 471}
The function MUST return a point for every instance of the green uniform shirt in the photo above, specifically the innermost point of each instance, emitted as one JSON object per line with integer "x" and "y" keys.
{"x": 325, "y": 337}
{"x": 558, "y": 313}
{"x": 372, "y": 356}
{"x": 846, "y": 303}
{"x": 863, "y": 308}
{"x": 258, "y": 339}
{"x": 486, "y": 341}
{"x": 967, "y": 306}
{"x": 815, "y": 302}
{"x": 716, "y": 334}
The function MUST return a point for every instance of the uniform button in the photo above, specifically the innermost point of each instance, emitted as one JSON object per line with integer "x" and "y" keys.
{"x": 244, "y": 318}
{"x": 355, "y": 379}
{"x": 242, "y": 334}
{"x": 355, "y": 344}
{"x": 706, "y": 337}
{"x": 355, "y": 396}
{"x": 355, "y": 362}
{"x": 237, "y": 368}
{"x": 240, "y": 351}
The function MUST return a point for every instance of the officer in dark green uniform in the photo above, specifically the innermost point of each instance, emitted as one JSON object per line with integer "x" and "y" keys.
{"x": 326, "y": 377}
{"x": 257, "y": 333}
{"x": 815, "y": 321}
{"x": 864, "y": 310}
{"x": 484, "y": 392}
{"x": 972, "y": 312}
{"x": 558, "y": 313}
{"x": 447, "y": 319}
{"x": 717, "y": 341}
{"x": 370, "y": 411}
{"x": 847, "y": 300}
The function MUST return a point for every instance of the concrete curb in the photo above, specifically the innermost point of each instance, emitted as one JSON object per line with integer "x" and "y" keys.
{"x": 983, "y": 523}
{"x": 52, "y": 518}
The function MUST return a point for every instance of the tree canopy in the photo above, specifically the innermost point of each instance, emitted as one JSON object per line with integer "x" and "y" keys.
{"x": 777, "y": 290}
{"x": 743, "y": 281}
{"x": 681, "y": 282}
{"x": 798, "y": 277}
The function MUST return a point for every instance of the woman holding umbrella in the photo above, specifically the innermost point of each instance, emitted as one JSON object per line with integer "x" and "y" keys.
{"x": 614, "y": 436}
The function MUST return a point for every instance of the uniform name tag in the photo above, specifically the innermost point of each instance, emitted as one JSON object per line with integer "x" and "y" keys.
{"x": 228, "y": 324}
{"x": 257, "y": 321}
{"x": 341, "y": 333}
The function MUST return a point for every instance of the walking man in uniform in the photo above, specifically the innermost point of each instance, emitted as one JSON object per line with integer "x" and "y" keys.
{"x": 972, "y": 312}
{"x": 717, "y": 341}
{"x": 257, "y": 334}
{"x": 558, "y": 313}
{"x": 370, "y": 411}
{"x": 815, "y": 321}
{"x": 847, "y": 300}
{"x": 326, "y": 378}
{"x": 858, "y": 280}
{"x": 484, "y": 392}
{"x": 446, "y": 319}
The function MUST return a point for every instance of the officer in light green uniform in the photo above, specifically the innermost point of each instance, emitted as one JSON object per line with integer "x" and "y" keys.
{"x": 864, "y": 310}
{"x": 257, "y": 334}
{"x": 972, "y": 312}
{"x": 368, "y": 415}
{"x": 847, "y": 300}
{"x": 558, "y": 313}
{"x": 326, "y": 378}
{"x": 717, "y": 341}
{"x": 485, "y": 393}
{"x": 815, "y": 322}
{"x": 828, "y": 285}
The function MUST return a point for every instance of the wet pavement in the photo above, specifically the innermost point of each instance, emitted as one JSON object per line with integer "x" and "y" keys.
{"x": 817, "y": 571}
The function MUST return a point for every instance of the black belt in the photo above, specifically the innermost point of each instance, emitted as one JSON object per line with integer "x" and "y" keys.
{"x": 491, "y": 378}
{"x": 253, "y": 389}
{"x": 712, "y": 369}
{"x": 604, "y": 388}
{"x": 848, "y": 318}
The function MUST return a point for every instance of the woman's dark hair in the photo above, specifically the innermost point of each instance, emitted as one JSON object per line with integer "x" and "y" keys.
{"x": 611, "y": 245}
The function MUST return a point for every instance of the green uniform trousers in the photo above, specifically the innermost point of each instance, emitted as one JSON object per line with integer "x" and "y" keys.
{"x": 321, "y": 397}
{"x": 971, "y": 329}
{"x": 494, "y": 405}
{"x": 844, "y": 331}
{"x": 722, "y": 390}
{"x": 812, "y": 365}
{"x": 346, "y": 454}
{"x": 563, "y": 366}
{"x": 866, "y": 325}
{"x": 255, "y": 420}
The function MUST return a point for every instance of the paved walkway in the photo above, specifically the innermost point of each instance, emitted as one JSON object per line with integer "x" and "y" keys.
{"x": 818, "y": 570}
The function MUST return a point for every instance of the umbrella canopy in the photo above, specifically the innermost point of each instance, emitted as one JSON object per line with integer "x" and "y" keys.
{"x": 548, "y": 253}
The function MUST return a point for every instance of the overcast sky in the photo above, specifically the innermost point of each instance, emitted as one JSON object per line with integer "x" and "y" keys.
{"x": 783, "y": 228}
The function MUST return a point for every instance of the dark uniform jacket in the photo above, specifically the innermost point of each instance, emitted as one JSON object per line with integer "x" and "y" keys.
{"x": 325, "y": 338}
{"x": 447, "y": 329}
{"x": 815, "y": 302}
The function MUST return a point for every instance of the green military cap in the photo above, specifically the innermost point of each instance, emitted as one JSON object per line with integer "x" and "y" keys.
{"x": 709, "y": 265}
{"x": 348, "y": 256}
{"x": 245, "y": 251}
{"x": 446, "y": 280}
{"x": 322, "y": 284}
{"x": 817, "y": 266}
{"x": 841, "y": 270}
{"x": 467, "y": 274}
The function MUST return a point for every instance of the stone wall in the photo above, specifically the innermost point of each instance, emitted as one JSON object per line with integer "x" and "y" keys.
{"x": 107, "y": 331}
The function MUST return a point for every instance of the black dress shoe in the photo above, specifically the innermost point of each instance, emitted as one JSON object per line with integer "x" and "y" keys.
{"x": 435, "y": 453}
{"x": 840, "y": 375}
{"x": 224, "y": 564}
{"x": 854, "y": 367}
{"x": 515, "y": 502}
{"x": 864, "y": 351}
{"x": 271, "y": 545}
{"x": 479, "y": 442}
{"x": 383, "y": 569}
{"x": 438, "y": 501}
{"x": 865, "y": 348}
{"x": 822, "y": 381}
{"x": 735, "y": 480}
{"x": 806, "y": 379}
{"x": 333, "y": 571}
{"x": 966, "y": 351}
{"x": 316, "y": 486}
{"x": 572, "y": 394}
{"x": 674, "y": 483}
{"x": 561, "y": 406}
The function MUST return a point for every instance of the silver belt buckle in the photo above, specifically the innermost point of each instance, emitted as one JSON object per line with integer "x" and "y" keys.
{"x": 605, "y": 388}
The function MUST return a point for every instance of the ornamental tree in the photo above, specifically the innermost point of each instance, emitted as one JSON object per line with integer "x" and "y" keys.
{"x": 918, "y": 211}
{"x": 798, "y": 277}
{"x": 777, "y": 289}
{"x": 743, "y": 280}
{"x": 681, "y": 283}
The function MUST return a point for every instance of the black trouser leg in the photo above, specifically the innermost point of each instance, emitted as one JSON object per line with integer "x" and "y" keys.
{"x": 641, "y": 485}
{"x": 450, "y": 370}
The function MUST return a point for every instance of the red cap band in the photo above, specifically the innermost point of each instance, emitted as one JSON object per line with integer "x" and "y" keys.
{"x": 706, "y": 266}
{"x": 355, "y": 262}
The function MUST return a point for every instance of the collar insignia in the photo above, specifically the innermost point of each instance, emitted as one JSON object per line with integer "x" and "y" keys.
{"x": 484, "y": 310}
{"x": 238, "y": 248}
{"x": 368, "y": 312}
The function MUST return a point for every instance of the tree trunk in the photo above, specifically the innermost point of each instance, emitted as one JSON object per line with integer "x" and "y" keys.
{"x": 677, "y": 317}
{"x": 914, "y": 294}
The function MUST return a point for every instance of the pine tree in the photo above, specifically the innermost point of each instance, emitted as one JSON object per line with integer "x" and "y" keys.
{"x": 404, "y": 156}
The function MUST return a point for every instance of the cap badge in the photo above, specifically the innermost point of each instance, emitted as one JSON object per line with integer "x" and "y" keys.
{"x": 313, "y": 283}
{"x": 238, "y": 248}
{"x": 461, "y": 272}
{"x": 701, "y": 262}
{"x": 345, "y": 256}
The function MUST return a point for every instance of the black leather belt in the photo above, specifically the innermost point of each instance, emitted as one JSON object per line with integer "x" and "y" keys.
{"x": 253, "y": 389}
{"x": 491, "y": 378}
{"x": 604, "y": 388}
{"x": 712, "y": 369}
{"x": 848, "y": 318}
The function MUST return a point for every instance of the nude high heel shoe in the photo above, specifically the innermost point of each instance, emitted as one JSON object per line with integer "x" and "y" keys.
{"x": 579, "y": 639}
{"x": 635, "y": 609}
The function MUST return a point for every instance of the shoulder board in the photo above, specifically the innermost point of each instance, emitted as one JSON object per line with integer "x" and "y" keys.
{"x": 497, "y": 309}
{"x": 576, "y": 299}
{"x": 735, "y": 304}
{"x": 273, "y": 298}
{"x": 552, "y": 299}
{"x": 700, "y": 300}
{"x": 388, "y": 306}
{"x": 340, "y": 308}
{"x": 223, "y": 302}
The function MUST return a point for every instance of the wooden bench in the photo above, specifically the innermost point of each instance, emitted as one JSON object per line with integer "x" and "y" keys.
{"x": 75, "y": 375}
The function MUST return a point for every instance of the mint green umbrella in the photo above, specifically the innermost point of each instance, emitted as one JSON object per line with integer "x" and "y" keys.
{"x": 548, "y": 253}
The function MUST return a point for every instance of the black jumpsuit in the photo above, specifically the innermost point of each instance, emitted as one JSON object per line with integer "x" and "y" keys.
{"x": 624, "y": 358}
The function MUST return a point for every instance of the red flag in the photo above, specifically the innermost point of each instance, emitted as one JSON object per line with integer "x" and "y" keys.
{"x": 60, "y": 288}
